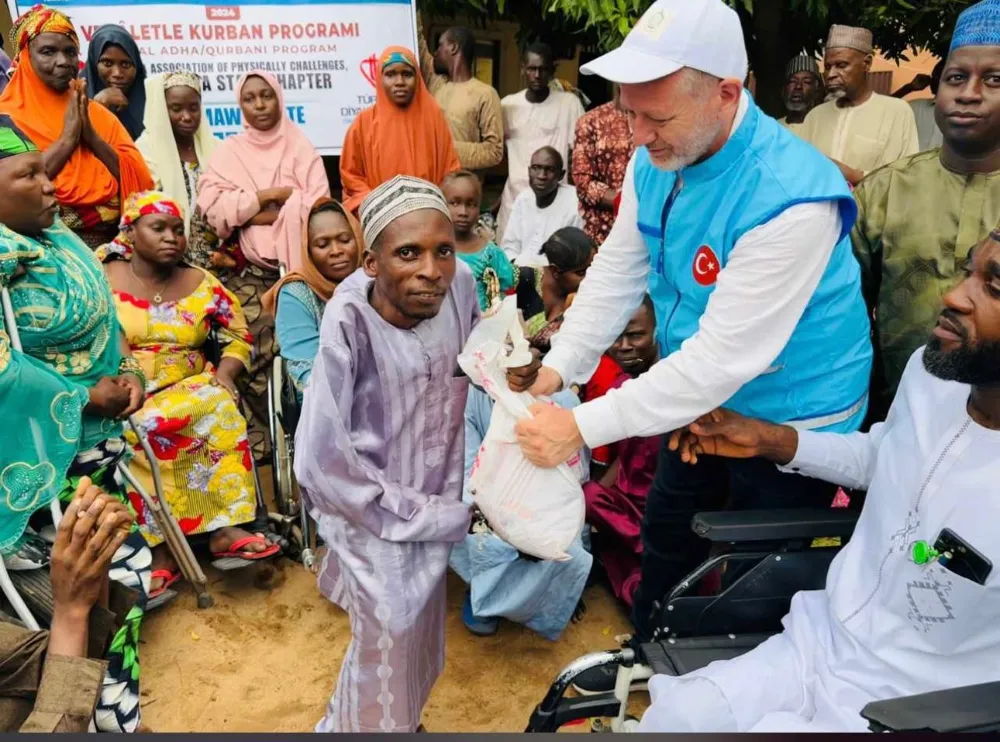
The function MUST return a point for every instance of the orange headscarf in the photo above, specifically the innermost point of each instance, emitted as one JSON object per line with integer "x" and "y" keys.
{"x": 309, "y": 274}
{"x": 386, "y": 140}
{"x": 39, "y": 112}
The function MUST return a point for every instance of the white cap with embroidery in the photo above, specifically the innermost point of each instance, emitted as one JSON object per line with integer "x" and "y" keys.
{"x": 702, "y": 34}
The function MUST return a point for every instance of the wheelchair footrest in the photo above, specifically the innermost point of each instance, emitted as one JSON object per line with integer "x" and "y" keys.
{"x": 681, "y": 656}
{"x": 229, "y": 564}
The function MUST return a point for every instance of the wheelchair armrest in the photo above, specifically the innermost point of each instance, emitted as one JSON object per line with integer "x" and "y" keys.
{"x": 973, "y": 708}
{"x": 774, "y": 525}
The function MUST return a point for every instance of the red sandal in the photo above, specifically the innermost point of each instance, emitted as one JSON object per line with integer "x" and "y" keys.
{"x": 250, "y": 556}
{"x": 168, "y": 577}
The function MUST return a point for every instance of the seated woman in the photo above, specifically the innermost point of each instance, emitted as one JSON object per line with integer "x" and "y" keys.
{"x": 404, "y": 133}
{"x": 116, "y": 76}
{"x": 177, "y": 145}
{"x": 494, "y": 273}
{"x": 169, "y": 311}
{"x": 503, "y": 583}
{"x": 258, "y": 187}
{"x": 88, "y": 153}
{"x": 62, "y": 397}
{"x": 544, "y": 294}
{"x": 332, "y": 251}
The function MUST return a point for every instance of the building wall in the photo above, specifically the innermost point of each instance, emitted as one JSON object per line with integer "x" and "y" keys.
{"x": 505, "y": 33}
{"x": 5, "y": 23}
{"x": 904, "y": 71}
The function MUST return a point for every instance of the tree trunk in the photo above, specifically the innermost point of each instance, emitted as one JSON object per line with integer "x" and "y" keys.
{"x": 769, "y": 54}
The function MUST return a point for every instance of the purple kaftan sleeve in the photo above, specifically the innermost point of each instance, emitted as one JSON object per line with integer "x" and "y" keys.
{"x": 337, "y": 481}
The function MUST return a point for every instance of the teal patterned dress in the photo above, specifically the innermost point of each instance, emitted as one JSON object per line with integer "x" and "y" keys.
{"x": 70, "y": 337}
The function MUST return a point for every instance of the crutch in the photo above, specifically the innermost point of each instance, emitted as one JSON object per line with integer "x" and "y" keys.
{"x": 172, "y": 534}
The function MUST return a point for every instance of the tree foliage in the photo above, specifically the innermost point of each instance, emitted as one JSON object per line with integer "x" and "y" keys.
{"x": 898, "y": 25}
{"x": 774, "y": 30}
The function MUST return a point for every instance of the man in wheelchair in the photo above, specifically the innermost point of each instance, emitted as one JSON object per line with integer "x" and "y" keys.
{"x": 910, "y": 604}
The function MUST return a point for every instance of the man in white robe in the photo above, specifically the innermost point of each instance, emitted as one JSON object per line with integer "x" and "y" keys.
{"x": 890, "y": 622}
{"x": 857, "y": 128}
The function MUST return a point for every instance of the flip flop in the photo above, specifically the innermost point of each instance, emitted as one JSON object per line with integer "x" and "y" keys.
{"x": 168, "y": 577}
{"x": 247, "y": 556}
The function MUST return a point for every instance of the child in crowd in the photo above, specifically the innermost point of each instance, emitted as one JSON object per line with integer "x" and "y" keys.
{"x": 494, "y": 273}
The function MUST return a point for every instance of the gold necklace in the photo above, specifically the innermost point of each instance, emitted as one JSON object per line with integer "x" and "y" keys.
{"x": 157, "y": 296}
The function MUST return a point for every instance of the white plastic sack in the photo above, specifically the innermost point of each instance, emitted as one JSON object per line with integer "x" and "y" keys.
{"x": 537, "y": 511}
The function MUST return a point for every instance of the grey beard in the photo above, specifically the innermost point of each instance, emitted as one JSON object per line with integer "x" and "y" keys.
{"x": 693, "y": 150}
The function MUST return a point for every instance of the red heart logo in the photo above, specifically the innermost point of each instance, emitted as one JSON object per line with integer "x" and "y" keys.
{"x": 368, "y": 68}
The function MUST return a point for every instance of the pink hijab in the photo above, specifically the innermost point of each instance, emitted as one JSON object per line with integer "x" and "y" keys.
{"x": 254, "y": 161}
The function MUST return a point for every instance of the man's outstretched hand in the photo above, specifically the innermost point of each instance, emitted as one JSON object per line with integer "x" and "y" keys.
{"x": 726, "y": 433}
{"x": 550, "y": 436}
{"x": 522, "y": 378}
{"x": 547, "y": 382}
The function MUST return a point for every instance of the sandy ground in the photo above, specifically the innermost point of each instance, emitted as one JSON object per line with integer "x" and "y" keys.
{"x": 265, "y": 658}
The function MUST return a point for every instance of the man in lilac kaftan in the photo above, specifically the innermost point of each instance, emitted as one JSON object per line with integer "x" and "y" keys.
{"x": 379, "y": 454}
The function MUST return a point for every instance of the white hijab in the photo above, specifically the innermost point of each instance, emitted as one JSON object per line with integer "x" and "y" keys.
{"x": 158, "y": 146}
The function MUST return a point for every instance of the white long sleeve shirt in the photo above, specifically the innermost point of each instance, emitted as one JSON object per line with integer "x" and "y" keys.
{"x": 772, "y": 273}
{"x": 884, "y": 626}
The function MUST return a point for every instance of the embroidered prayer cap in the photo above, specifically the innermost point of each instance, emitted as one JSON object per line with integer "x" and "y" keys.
{"x": 978, "y": 25}
{"x": 40, "y": 19}
{"x": 395, "y": 198}
{"x": 802, "y": 63}
{"x": 849, "y": 37}
{"x": 182, "y": 78}
{"x": 138, "y": 205}
{"x": 12, "y": 140}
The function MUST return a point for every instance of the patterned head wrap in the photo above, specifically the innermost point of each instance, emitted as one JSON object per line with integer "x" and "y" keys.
{"x": 137, "y": 206}
{"x": 978, "y": 25}
{"x": 40, "y": 19}
{"x": 395, "y": 198}
{"x": 848, "y": 37}
{"x": 395, "y": 57}
{"x": 12, "y": 140}
{"x": 182, "y": 78}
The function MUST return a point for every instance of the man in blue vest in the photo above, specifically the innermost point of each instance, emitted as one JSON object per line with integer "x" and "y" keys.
{"x": 739, "y": 230}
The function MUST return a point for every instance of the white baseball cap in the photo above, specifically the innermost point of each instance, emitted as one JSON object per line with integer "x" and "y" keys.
{"x": 702, "y": 34}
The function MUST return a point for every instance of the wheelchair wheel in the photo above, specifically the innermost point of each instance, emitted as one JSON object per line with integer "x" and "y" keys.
{"x": 284, "y": 473}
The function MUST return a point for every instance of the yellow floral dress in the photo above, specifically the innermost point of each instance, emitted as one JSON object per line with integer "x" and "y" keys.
{"x": 194, "y": 428}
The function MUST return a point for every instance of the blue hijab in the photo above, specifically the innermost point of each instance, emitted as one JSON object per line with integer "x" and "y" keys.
{"x": 112, "y": 35}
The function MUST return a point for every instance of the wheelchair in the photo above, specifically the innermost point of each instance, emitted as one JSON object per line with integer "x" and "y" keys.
{"x": 771, "y": 555}
{"x": 292, "y": 518}
{"x": 284, "y": 409}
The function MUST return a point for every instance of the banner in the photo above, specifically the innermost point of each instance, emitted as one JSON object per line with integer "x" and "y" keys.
{"x": 322, "y": 51}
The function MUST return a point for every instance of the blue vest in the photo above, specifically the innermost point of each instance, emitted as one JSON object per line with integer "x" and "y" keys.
{"x": 691, "y": 221}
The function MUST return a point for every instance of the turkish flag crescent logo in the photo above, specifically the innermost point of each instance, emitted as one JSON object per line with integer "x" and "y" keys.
{"x": 706, "y": 266}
